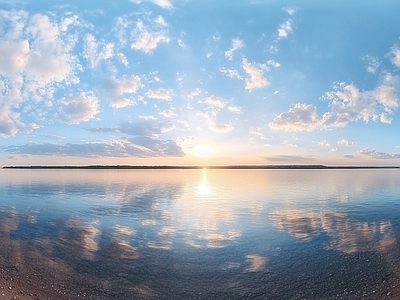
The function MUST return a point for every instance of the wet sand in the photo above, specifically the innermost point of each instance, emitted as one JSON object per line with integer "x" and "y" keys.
{"x": 15, "y": 285}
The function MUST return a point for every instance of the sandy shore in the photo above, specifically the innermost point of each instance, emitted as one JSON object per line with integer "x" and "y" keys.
{"x": 13, "y": 285}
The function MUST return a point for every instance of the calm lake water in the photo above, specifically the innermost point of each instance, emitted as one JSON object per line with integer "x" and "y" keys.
{"x": 204, "y": 234}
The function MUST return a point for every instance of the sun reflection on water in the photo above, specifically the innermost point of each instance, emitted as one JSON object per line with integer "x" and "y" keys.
{"x": 204, "y": 189}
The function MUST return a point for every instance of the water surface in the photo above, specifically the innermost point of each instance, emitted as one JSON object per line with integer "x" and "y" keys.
{"x": 186, "y": 234}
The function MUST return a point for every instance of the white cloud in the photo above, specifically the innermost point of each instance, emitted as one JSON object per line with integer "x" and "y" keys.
{"x": 162, "y": 3}
{"x": 255, "y": 130}
{"x": 196, "y": 92}
{"x": 234, "y": 109}
{"x": 344, "y": 142}
{"x": 167, "y": 113}
{"x": 299, "y": 118}
{"x": 230, "y": 73}
{"x": 35, "y": 57}
{"x": 273, "y": 63}
{"x": 92, "y": 53}
{"x": 371, "y": 153}
{"x": 167, "y": 127}
{"x": 120, "y": 90}
{"x": 131, "y": 147}
{"x": 255, "y": 76}
{"x": 215, "y": 101}
{"x": 372, "y": 65}
{"x": 290, "y": 10}
{"x": 324, "y": 143}
{"x": 161, "y": 94}
{"x": 284, "y": 29}
{"x": 348, "y": 104}
{"x": 394, "y": 55}
{"x": 222, "y": 127}
{"x": 123, "y": 59}
{"x": 147, "y": 38}
{"x": 10, "y": 123}
{"x": 236, "y": 45}
{"x": 79, "y": 108}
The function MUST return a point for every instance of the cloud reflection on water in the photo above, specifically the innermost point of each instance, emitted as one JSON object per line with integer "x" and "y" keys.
{"x": 346, "y": 235}
{"x": 129, "y": 228}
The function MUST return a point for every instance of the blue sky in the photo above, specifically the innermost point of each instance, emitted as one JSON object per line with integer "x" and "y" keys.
{"x": 155, "y": 82}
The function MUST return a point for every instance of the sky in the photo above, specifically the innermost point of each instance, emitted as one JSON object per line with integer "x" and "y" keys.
{"x": 190, "y": 82}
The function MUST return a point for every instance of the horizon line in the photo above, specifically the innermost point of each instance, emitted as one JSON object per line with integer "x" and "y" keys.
{"x": 138, "y": 167}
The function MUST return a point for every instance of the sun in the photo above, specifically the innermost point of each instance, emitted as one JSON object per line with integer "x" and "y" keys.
{"x": 203, "y": 150}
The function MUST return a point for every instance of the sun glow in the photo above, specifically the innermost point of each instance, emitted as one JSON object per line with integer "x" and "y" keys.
{"x": 203, "y": 150}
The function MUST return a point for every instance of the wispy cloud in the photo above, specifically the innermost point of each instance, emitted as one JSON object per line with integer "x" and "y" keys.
{"x": 236, "y": 45}
{"x": 160, "y": 94}
{"x": 255, "y": 130}
{"x": 371, "y": 153}
{"x": 372, "y": 63}
{"x": 288, "y": 158}
{"x": 131, "y": 147}
{"x": 166, "y": 4}
{"x": 232, "y": 73}
{"x": 93, "y": 54}
{"x": 215, "y": 101}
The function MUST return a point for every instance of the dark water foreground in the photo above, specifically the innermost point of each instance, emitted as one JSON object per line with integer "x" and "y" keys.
{"x": 200, "y": 234}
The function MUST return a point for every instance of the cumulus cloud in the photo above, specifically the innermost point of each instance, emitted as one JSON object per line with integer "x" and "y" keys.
{"x": 93, "y": 54}
{"x": 35, "y": 56}
{"x": 236, "y": 45}
{"x": 301, "y": 117}
{"x": 161, "y": 94}
{"x": 371, "y": 153}
{"x": 348, "y": 104}
{"x": 10, "y": 123}
{"x": 344, "y": 142}
{"x": 255, "y": 74}
{"x": 147, "y": 38}
{"x": 120, "y": 91}
{"x": 77, "y": 108}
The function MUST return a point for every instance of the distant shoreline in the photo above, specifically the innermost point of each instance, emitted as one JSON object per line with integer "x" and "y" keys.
{"x": 170, "y": 167}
